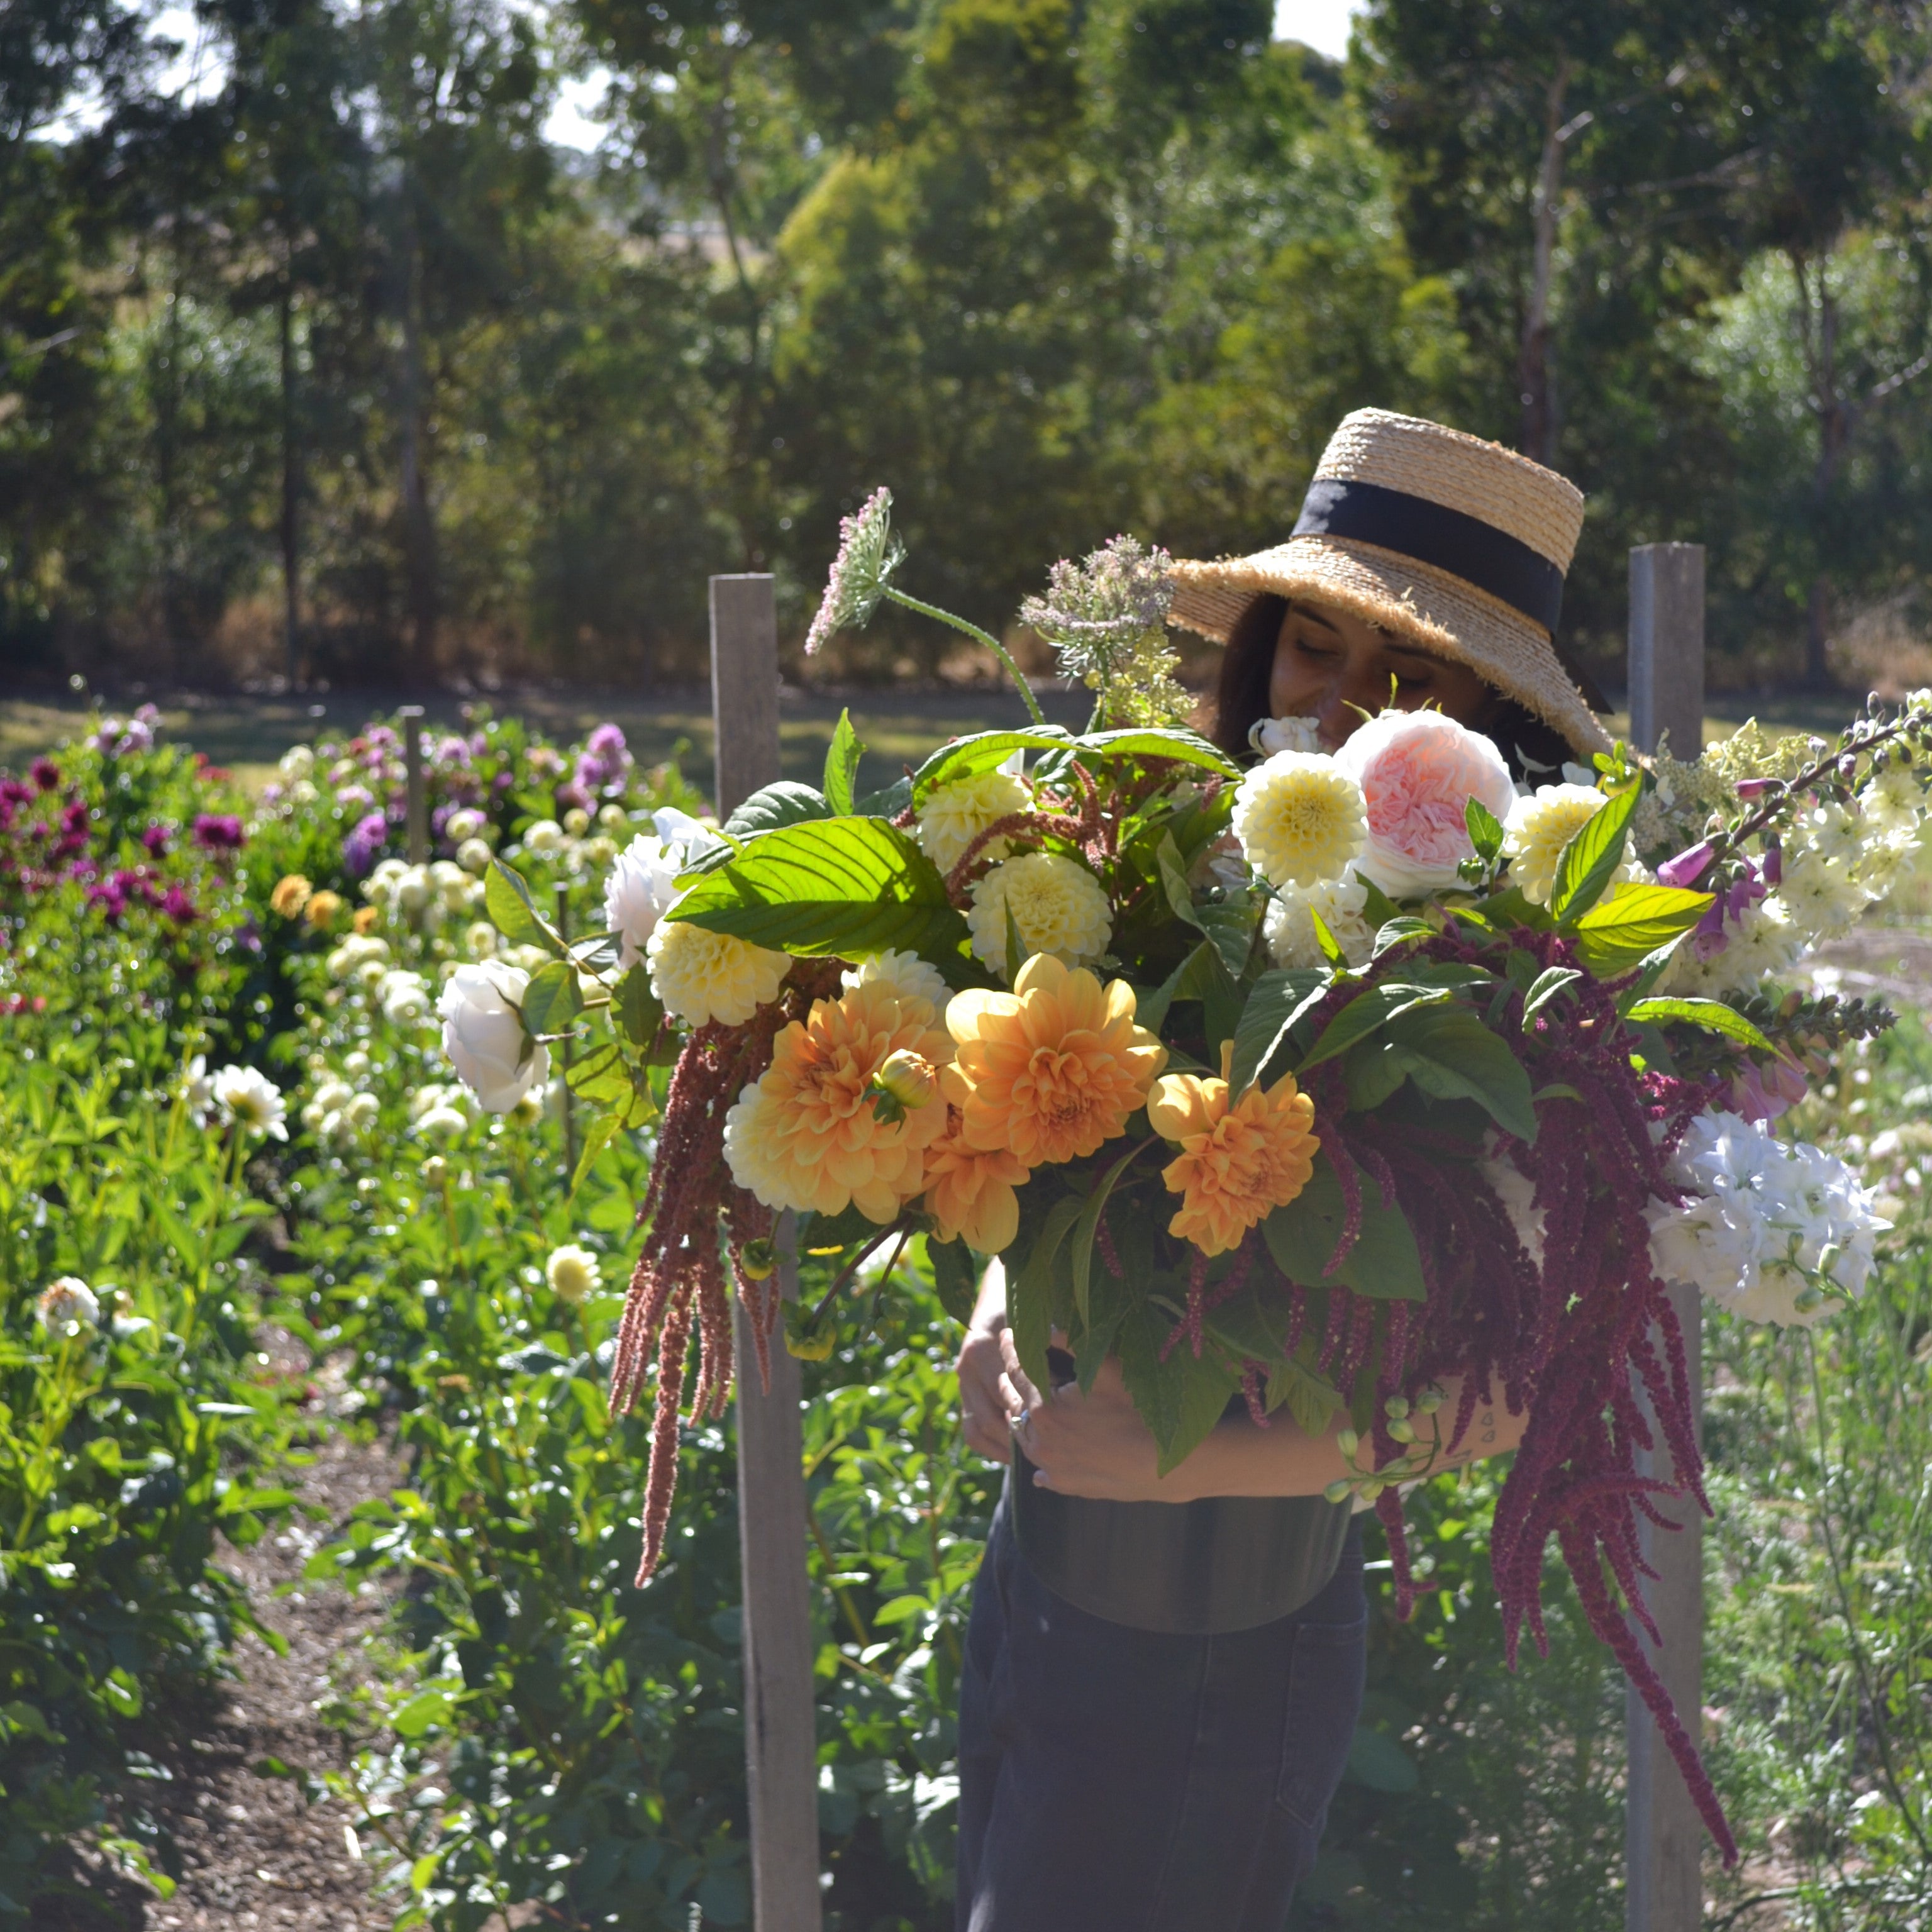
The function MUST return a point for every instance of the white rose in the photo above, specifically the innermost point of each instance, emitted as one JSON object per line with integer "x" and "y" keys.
{"x": 642, "y": 883}
{"x": 483, "y": 1034}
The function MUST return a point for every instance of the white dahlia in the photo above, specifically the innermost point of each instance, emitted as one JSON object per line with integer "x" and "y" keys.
{"x": 954, "y": 815}
{"x": 1057, "y": 904}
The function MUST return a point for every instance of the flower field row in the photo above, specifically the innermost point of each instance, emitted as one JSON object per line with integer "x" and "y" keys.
{"x": 225, "y": 1103}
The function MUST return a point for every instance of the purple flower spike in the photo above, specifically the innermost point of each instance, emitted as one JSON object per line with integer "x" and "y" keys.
{"x": 1687, "y": 868}
{"x": 365, "y": 840}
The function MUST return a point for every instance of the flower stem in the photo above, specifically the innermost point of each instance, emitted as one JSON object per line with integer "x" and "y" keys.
{"x": 972, "y": 631}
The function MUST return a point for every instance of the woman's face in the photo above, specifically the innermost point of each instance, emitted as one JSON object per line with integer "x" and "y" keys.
{"x": 1333, "y": 667}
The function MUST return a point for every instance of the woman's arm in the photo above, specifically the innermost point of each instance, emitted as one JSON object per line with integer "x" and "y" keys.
{"x": 1097, "y": 1445}
{"x": 983, "y": 1410}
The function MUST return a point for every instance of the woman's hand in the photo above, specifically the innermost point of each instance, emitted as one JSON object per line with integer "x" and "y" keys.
{"x": 983, "y": 1412}
{"x": 1094, "y": 1445}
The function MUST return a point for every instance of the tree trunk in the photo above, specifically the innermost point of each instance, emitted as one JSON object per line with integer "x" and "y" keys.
{"x": 418, "y": 519}
{"x": 1834, "y": 416}
{"x": 291, "y": 497}
{"x": 1538, "y": 437}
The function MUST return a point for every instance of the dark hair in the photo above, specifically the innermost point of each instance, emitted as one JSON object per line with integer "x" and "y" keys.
{"x": 1531, "y": 748}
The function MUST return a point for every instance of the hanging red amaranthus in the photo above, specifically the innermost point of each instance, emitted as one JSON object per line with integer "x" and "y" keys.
{"x": 1567, "y": 1340}
{"x": 679, "y": 1282}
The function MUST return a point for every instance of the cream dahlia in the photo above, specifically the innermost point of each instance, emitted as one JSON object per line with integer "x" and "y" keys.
{"x": 1057, "y": 904}
{"x": 1300, "y": 818}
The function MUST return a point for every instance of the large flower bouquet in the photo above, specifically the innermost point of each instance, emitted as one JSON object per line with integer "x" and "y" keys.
{"x": 1313, "y": 1086}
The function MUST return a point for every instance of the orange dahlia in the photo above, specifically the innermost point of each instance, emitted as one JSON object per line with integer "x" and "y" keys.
{"x": 1048, "y": 1072}
{"x": 1237, "y": 1164}
{"x": 811, "y": 1132}
{"x": 969, "y": 1190}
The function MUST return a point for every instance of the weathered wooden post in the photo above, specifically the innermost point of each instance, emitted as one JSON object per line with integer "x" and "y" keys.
{"x": 780, "y": 1744}
{"x": 1663, "y": 1838}
{"x": 418, "y": 807}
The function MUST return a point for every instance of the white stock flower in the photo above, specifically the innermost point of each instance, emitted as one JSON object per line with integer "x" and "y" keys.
{"x": 1762, "y": 942}
{"x": 954, "y": 815}
{"x": 906, "y": 973}
{"x": 1300, "y": 818}
{"x": 573, "y": 1273}
{"x": 67, "y": 1305}
{"x": 545, "y": 835}
{"x": 483, "y": 1034}
{"x": 1771, "y": 1232}
{"x": 638, "y": 892}
{"x": 700, "y": 976}
{"x": 1288, "y": 924}
{"x": 249, "y": 1098}
{"x": 1056, "y": 904}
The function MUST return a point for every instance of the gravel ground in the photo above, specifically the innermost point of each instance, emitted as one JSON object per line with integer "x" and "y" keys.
{"x": 258, "y": 1851}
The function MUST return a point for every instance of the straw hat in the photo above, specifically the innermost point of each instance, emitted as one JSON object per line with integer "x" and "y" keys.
{"x": 1457, "y": 545}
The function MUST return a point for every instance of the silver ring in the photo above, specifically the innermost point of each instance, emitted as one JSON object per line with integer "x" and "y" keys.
{"x": 1020, "y": 1424}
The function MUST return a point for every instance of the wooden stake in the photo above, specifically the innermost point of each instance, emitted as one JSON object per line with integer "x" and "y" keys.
{"x": 1663, "y": 1837}
{"x": 411, "y": 715}
{"x": 780, "y": 1740}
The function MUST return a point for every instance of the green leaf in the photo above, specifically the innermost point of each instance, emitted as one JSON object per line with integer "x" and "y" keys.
{"x": 1030, "y": 1293}
{"x": 1187, "y": 748}
{"x": 507, "y": 900}
{"x": 552, "y": 999}
{"x": 1377, "y": 1761}
{"x": 1311, "y": 1399}
{"x": 1634, "y": 921}
{"x": 1331, "y": 947}
{"x": 1450, "y": 1054}
{"x": 1367, "y": 1013}
{"x": 1712, "y": 1014}
{"x": 635, "y": 1008}
{"x": 954, "y": 1277}
{"x": 1486, "y": 831}
{"x": 1303, "y": 1237}
{"x": 887, "y": 803}
{"x": 1584, "y": 867}
{"x": 602, "y": 1075}
{"x": 1180, "y": 1399}
{"x": 600, "y": 1132}
{"x": 1545, "y": 988}
{"x": 1278, "y": 1001}
{"x": 1399, "y": 931}
{"x": 838, "y": 886}
{"x": 1378, "y": 908}
{"x": 967, "y": 757}
{"x": 1654, "y": 967}
{"x": 783, "y": 802}
{"x": 1190, "y": 980}
{"x": 841, "y": 766}
{"x": 1086, "y": 1227}
{"x": 1506, "y": 911}
{"x": 1174, "y": 881}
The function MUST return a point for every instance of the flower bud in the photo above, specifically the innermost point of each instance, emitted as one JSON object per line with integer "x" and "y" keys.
{"x": 1337, "y": 1492}
{"x": 904, "y": 1083}
{"x": 1430, "y": 1400}
{"x": 1347, "y": 1441}
{"x": 1395, "y": 1408}
{"x": 758, "y": 1260}
{"x": 1402, "y": 1429}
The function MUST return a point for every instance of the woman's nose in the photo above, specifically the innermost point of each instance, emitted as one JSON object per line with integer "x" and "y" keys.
{"x": 1343, "y": 700}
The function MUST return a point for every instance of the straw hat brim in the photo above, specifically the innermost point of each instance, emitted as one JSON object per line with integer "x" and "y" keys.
{"x": 1439, "y": 612}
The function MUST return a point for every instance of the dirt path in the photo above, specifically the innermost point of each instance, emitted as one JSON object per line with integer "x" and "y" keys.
{"x": 258, "y": 1853}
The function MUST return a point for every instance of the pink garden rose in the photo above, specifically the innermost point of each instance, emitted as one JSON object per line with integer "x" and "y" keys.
{"x": 1418, "y": 770}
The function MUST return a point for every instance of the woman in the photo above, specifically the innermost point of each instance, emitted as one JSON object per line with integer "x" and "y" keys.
{"x": 1163, "y": 1674}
